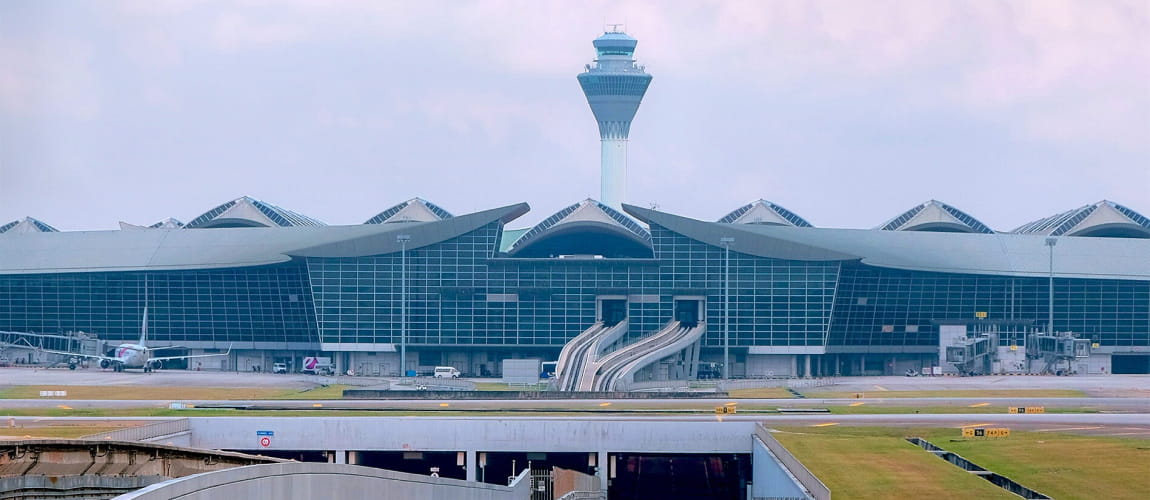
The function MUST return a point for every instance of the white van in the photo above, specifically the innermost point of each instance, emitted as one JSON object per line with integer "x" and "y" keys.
{"x": 446, "y": 372}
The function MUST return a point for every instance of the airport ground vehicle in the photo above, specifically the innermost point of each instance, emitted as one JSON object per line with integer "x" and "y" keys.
{"x": 279, "y": 368}
{"x": 446, "y": 372}
{"x": 318, "y": 365}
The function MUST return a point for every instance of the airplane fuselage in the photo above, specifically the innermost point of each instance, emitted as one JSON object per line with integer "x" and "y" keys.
{"x": 132, "y": 355}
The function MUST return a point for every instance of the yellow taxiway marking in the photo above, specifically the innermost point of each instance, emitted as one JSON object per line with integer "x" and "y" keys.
{"x": 732, "y": 403}
{"x": 444, "y": 405}
{"x": 974, "y": 425}
{"x": 860, "y": 403}
{"x": 1069, "y": 429}
{"x": 881, "y": 388}
{"x": 604, "y": 404}
{"x": 827, "y": 424}
{"x": 64, "y": 407}
{"x": 979, "y": 405}
{"x": 317, "y": 405}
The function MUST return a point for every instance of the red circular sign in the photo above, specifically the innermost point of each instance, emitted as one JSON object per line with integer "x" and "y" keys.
{"x": 265, "y": 441}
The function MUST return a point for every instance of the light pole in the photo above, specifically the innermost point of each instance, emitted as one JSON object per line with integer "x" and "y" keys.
{"x": 1050, "y": 242}
{"x": 402, "y": 240}
{"x": 726, "y": 241}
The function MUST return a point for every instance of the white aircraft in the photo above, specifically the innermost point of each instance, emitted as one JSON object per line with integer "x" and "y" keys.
{"x": 139, "y": 355}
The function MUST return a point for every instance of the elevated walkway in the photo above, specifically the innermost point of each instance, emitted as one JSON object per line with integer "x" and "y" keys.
{"x": 606, "y": 373}
{"x": 585, "y": 349}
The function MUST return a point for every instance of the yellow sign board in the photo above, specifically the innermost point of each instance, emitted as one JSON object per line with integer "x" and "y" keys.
{"x": 1029, "y": 410}
{"x": 721, "y": 410}
{"x": 980, "y": 314}
{"x": 991, "y": 432}
{"x": 1014, "y": 347}
{"x": 1095, "y": 345}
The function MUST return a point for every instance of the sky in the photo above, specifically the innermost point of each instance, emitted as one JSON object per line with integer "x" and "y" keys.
{"x": 844, "y": 112}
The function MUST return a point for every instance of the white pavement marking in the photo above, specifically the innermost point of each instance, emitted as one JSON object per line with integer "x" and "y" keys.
{"x": 1069, "y": 429}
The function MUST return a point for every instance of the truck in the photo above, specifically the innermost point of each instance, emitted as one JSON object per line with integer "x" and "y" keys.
{"x": 318, "y": 365}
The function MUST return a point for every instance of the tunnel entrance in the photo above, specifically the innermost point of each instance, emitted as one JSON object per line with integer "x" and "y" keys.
{"x": 701, "y": 477}
{"x": 297, "y": 455}
{"x": 449, "y": 463}
{"x": 497, "y": 467}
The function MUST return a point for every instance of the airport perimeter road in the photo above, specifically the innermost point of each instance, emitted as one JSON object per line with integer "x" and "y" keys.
{"x": 1138, "y": 405}
{"x": 1134, "y": 425}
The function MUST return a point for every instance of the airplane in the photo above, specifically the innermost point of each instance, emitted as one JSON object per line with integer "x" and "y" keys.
{"x": 128, "y": 355}
{"x": 132, "y": 356}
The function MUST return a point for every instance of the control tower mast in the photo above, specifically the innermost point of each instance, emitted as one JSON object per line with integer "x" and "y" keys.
{"x": 614, "y": 86}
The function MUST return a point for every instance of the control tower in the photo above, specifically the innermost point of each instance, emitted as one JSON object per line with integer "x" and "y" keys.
{"x": 614, "y": 86}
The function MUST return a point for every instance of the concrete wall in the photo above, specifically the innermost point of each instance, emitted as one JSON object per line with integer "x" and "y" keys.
{"x": 307, "y": 481}
{"x": 542, "y": 434}
{"x": 771, "y": 365}
{"x": 770, "y": 479}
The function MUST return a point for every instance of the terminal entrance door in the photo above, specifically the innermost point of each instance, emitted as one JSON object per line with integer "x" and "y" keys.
{"x": 688, "y": 312}
{"x": 613, "y": 311}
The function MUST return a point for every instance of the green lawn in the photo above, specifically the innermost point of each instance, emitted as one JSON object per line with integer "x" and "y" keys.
{"x": 1057, "y": 464}
{"x": 1001, "y": 393}
{"x": 761, "y": 393}
{"x": 54, "y": 432}
{"x": 865, "y": 466}
{"x": 171, "y": 393}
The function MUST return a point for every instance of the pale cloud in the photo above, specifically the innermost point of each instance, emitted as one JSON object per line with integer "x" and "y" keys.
{"x": 767, "y": 95}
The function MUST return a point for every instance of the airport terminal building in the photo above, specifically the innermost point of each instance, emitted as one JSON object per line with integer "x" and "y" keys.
{"x": 780, "y": 297}
{"x": 760, "y": 291}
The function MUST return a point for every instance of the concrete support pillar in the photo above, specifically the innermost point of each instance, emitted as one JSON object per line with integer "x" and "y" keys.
{"x": 807, "y": 371}
{"x": 603, "y": 469}
{"x": 862, "y": 364}
{"x": 471, "y": 462}
{"x": 353, "y": 458}
{"x": 795, "y": 365}
{"x": 337, "y": 457}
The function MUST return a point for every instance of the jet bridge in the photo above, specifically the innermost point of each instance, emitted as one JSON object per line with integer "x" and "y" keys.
{"x": 975, "y": 355}
{"x": 1056, "y": 348}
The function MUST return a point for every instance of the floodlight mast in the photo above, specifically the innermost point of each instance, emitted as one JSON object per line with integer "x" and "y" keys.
{"x": 403, "y": 239}
{"x": 726, "y": 242}
{"x": 1050, "y": 242}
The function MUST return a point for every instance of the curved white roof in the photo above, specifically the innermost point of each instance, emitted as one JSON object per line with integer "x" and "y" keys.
{"x": 1104, "y": 218}
{"x": 935, "y": 216}
{"x": 249, "y": 212}
{"x": 27, "y": 225}
{"x": 764, "y": 212}
{"x": 413, "y": 210}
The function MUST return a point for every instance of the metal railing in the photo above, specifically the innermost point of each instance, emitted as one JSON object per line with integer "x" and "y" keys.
{"x": 804, "y": 476}
{"x": 759, "y": 383}
{"x": 584, "y": 495}
{"x": 145, "y": 432}
{"x": 439, "y": 384}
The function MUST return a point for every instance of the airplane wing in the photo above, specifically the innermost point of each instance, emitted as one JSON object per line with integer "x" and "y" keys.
{"x": 166, "y": 358}
{"x": 79, "y": 355}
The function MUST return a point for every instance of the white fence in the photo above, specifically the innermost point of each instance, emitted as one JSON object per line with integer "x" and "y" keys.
{"x": 760, "y": 383}
{"x": 145, "y": 432}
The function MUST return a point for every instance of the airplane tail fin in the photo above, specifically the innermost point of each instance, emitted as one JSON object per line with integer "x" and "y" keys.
{"x": 144, "y": 323}
{"x": 144, "y": 328}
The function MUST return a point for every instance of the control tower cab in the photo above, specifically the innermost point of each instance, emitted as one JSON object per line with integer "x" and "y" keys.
{"x": 614, "y": 86}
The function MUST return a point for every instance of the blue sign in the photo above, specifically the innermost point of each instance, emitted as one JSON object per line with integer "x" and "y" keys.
{"x": 265, "y": 433}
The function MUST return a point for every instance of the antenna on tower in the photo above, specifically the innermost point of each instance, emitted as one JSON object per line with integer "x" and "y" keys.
{"x": 614, "y": 28}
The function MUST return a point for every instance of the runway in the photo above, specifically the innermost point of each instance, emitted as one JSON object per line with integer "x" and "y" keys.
{"x": 1092, "y": 404}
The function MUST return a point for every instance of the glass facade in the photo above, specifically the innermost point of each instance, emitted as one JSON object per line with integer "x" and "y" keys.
{"x": 887, "y": 307}
{"x": 462, "y": 292}
{"x": 260, "y": 304}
